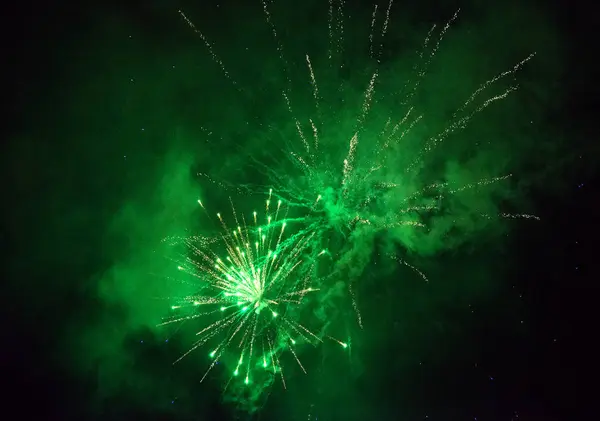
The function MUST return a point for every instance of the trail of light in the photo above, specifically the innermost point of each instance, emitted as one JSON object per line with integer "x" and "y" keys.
{"x": 405, "y": 263}
{"x": 384, "y": 29}
{"x": 372, "y": 30}
{"x": 209, "y": 46}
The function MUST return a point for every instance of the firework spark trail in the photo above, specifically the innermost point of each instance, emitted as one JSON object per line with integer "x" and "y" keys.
{"x": 355, "y": 306}
{"x": 441, "y": 36}
{"x": 405, "y": 263}
{"x": 223, "y": 184}
{"x": 460, "y": 123}
{"x": 313, "y": 81}
{"x": 340, "y": 28}
{"x": 287, "y": 91}
{"x": 420, "y": 67}
{"x": 330, "y": 28}
{"x": 368, "y": 99}
{"x": 280, "y": 52}
{"x": 315, "y": 134}
{"x": 372, "y": 31}
{"x": 384, "y": 29}
{"x": 209, "y": 46}
{"x": 301, "y": 134}
{"x": 253, "y": 293}
{"x": 279, "y": 45}
{"x": 486, "y": 84}
{"x": 349, "y": 159}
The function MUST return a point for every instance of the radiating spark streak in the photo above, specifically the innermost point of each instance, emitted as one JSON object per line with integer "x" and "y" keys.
{"x": 480, "y": 183}
{"x": 387, "y": 19}
{"x": 315, "y": 134}
{"x": 221, "y": 184}
{"x": 340, "y": 22}
{"x": 181, "y": 319}
{"x": 405, "y": 263}
{"x": 384, "y": 29}
{"x": 426, "y": 41}
{"x": 368, "y": 98}
{"x": 394, "y": 130}
{"x": 251, "y": 350}
{"x": 405, "y": 223}
{"x": 417, "y": 209}
{"x": 343, "y": 344}
{"x": 297, "y": 359}
{"x": 298, "y": 125}
{"x": 409, "y": 128}
{"x": 313, "y": 82}
{"x": 178, "y": 239}
{"x": 385, "y": 127}
{"x": 301, "y": 134}
{"x": 442, "y": 33}
{"x": 349, "y": 158}
{"x": 372, "y": 31}
{"x": 237, "y": 329}
{"x": 486, "y": 84}
{"x": 422, "y": 69}
{"x": 208, "y": 45}
{"x": 279, "y": 44}
{"x": 280, "y": 371}
{"x": 297, "y": 326}
{"x": 461, "y": 123}
{"x": 356, "y": 310}
{"x": 299, "y": 333}
{"x": 330, "y": 27}
{"x": 518, "y": 216}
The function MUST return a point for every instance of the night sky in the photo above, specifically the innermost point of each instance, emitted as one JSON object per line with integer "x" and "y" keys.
{"x": 114, "y": 107}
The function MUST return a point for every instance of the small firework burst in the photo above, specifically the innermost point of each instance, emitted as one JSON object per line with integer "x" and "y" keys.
{"x": 249, "y": 299}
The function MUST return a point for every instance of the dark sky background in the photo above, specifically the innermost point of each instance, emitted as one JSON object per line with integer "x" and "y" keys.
{"x": 106, "y": 103}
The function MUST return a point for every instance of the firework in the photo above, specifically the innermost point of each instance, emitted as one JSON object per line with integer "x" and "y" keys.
{"x": 363, "y": 186}
{"x": 375, "y": 181}
{"x": 249, "y": 298}
{"x": 360, "y": 163}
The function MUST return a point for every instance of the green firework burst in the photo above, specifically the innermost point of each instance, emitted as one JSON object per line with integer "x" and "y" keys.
{"x": 362, "y": 153}
{"x": 249, "y": 299}
{"x": 370, "y": 162}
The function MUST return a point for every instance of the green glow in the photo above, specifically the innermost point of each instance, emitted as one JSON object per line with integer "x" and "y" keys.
{"x": 356, "y": 175}
{"x": 265, "y": 274}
